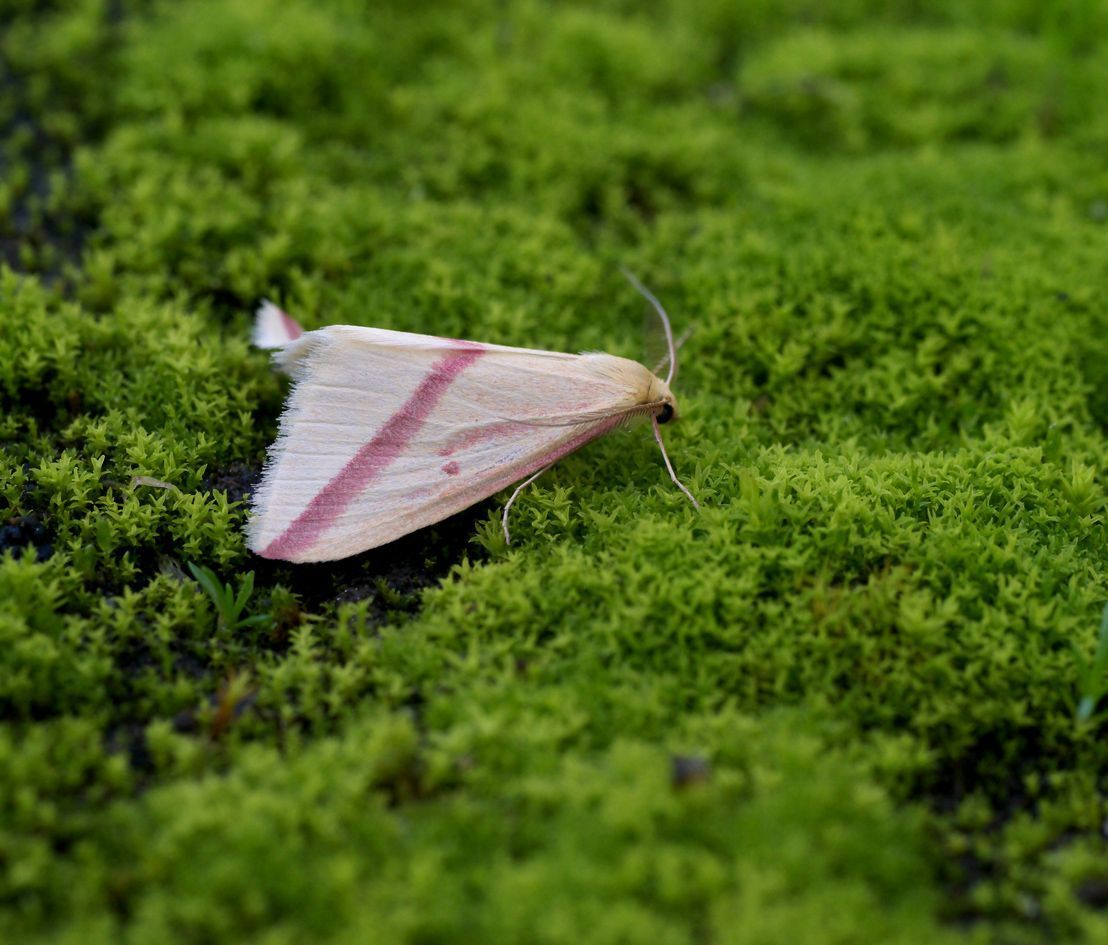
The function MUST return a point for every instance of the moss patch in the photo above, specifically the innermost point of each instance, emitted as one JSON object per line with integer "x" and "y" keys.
{"x": 837, "y": 705}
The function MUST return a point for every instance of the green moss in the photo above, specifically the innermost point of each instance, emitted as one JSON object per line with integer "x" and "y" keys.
{"x": 888, "y": 224}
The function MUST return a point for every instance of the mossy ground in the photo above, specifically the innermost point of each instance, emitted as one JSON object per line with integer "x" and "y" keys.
{"x": 888, "y": 223}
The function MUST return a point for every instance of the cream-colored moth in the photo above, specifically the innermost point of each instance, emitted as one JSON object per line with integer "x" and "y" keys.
{"x": 385, "y": 432}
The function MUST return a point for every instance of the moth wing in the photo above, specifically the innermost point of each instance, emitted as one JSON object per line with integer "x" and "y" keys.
{"x": 387, "y": 432}
{"x": 273, "y": 327}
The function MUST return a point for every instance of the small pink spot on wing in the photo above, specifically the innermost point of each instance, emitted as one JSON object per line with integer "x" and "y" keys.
{"x": 452, "y": 469}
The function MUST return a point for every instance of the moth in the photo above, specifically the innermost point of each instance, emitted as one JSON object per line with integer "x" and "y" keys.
{"x": 385, "y": 432}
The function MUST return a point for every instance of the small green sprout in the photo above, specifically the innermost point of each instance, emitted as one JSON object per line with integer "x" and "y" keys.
{"x": 1093, "y": 675}
{"x": 228, "y": 605}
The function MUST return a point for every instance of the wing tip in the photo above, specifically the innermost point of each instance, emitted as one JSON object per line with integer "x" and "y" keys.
{"x": 254, "y": 529}
{"x": 260, "y": 542}
{"x": 274, "y": 327}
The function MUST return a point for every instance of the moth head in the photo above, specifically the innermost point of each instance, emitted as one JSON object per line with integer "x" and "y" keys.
{"x": 663, "y": 401}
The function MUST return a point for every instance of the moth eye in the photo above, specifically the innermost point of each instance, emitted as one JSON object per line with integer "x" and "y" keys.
{"x": 666, "y": 413}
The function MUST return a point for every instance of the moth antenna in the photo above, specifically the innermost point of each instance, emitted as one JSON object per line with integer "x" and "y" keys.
{"x": 672, "y": 475}
{"x": 678, "y": 345}
{"x": 652, "y": 299}
{"x": 515, "y": 495}
{"x": 683, "y": 337}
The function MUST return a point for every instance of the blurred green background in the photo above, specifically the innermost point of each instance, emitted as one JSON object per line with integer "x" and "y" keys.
{"x": 839, "y": 705}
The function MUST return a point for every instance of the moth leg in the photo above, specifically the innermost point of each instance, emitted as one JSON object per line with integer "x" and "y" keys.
{"x": 672, "y": 475}
{"x": 515, "y": 495}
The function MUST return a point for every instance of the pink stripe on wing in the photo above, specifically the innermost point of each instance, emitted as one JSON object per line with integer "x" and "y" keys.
{"x": 390, "y": 442}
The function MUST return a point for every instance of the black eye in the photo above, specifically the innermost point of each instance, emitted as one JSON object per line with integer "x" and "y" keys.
{"x": 666, "y": 413}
